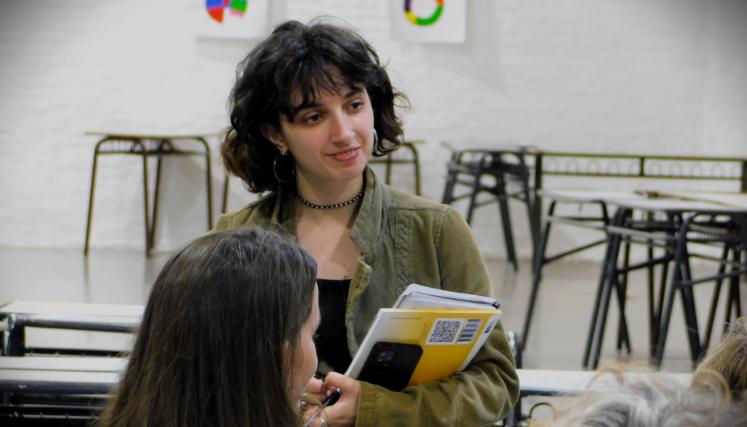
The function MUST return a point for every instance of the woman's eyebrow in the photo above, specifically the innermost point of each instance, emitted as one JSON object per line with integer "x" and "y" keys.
{"x": 294, "y": 111}
{"x": 354, "y": 90}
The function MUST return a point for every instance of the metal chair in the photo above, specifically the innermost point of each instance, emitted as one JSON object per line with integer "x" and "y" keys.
{"x": 505, "y": 175}
{"x": 395, "y": 158}
{"x": 146, "y": 146}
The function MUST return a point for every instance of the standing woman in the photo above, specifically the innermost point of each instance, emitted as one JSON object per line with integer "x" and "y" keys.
{"x": 310, "y": 106}
{"x": 226, "y": 338}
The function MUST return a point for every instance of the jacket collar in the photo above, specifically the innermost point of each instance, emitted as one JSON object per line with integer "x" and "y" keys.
{"x": 365, "y": 232}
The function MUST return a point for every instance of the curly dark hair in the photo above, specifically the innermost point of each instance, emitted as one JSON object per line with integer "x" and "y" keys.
{"x": 305, "y": 59}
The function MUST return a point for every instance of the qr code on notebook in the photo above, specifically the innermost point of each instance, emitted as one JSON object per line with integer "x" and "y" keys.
{"x": 444, "y": 331}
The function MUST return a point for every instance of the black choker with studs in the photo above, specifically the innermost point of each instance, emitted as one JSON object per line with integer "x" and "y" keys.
{"x": 348, "y": 202}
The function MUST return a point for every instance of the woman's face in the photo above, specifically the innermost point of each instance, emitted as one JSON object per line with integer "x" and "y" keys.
{"x": 331, "y": 139}
{"x": 305, "y": 361}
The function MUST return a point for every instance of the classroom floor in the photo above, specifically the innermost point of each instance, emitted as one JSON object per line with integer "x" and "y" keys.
{"x": 556, "y": 342}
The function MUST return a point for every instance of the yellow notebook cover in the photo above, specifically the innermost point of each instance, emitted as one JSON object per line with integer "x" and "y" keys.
{"x": 449, "y": 337}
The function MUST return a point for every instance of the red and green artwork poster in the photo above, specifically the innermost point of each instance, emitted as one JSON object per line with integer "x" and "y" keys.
{"x": 217, "y": 8}
{"x": 230, "y": 18}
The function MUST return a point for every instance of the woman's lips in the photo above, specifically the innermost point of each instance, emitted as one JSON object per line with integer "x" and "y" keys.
{"x": 345, "y": 155}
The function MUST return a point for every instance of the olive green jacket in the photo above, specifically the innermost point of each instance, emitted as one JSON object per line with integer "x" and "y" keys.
{"x": 405, "y": 239}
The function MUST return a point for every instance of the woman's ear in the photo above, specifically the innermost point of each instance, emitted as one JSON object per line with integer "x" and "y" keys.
{"x": 274, "y": 136}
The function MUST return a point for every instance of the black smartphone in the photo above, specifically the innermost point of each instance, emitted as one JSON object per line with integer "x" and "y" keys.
{"x": 391, "y": 364}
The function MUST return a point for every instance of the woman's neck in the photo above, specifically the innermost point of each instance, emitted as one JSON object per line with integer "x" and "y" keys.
{"x": 330, "y": 193}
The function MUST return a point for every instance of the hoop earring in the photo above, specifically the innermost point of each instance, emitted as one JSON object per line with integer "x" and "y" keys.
{"x": 376, "y": 138}
{"x": 275, "y": 169}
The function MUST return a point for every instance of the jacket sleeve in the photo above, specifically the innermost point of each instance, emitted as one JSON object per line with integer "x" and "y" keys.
{"x": 481, "y": 394}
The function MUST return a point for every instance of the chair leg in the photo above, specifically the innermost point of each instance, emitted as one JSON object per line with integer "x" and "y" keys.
{"x": 598, "y": 322}
{"x": 678, "y": 274}
{"x": 537, "y": 277}
{"x": 737, "y": 297}
{"x": 603, "y": 278}
{"x": 534, "y": 220}
{"x": 388, "y": 176}
{"x": 156, "y": 194}
{"x": 730, "y": 303}
{"x": 508, "y": 234}
{"x": 448, "y": 195}
{"x": 651, "y": 293}
{"x": 208, "y": 184}
{"x": 666, "y": 316}
{"x": 663, "y": 280}
{"x": 16, "y": 337}
{"x": 89, "y": 217}
{"x": 473, "y": 198}
{"x": 603, "y": 291}
{"x": 416, "y": 165}
{"x": 688, "y": 306}
{"x": 733, "y": 300}
{"x": 208, "y": 189}
{"x": 691, "y": 321}
{"x": 623, "y": 337}
{"x": 224, "y": 204}
{"x": 716, "y": 296}
{"x": 146, "y": 198}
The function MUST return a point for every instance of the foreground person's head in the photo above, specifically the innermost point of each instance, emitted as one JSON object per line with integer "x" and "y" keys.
{"x": 226, "y": 337}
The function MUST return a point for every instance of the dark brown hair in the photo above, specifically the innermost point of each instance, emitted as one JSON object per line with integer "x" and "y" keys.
{"x": 209, "y": 350}
{"x": 307, "y": 59}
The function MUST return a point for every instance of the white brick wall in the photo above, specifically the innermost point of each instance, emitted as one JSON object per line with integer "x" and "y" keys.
{"x": 639, "y": 76}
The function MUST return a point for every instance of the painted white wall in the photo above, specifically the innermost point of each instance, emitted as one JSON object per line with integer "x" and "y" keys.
{"x": 663, "y": 76}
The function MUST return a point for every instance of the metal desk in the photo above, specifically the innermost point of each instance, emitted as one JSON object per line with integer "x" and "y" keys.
{"x": 59, "y": 375}
{"x": 599, "y": 222}
{"x": 688, "y": 221}
{"x": 19, "y": 315}
{"x": 56, "y": 390}
{"x": 680, "y": 210}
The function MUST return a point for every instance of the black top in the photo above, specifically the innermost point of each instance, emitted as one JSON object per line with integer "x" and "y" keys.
{"x": 331, "y": 337}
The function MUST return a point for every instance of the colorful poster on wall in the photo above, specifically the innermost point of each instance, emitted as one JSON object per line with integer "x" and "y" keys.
{"x": 428, "y": 20}
{"x": 231, "y": 18}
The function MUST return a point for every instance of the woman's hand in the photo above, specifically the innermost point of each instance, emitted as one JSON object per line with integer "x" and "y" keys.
{"x": 343, "y": 412}
{"x": 310, "y": 407}
{"x": 315, "y": 387}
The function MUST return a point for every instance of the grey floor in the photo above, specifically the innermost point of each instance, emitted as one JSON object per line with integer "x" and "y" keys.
{"x": 556, "y": 341}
